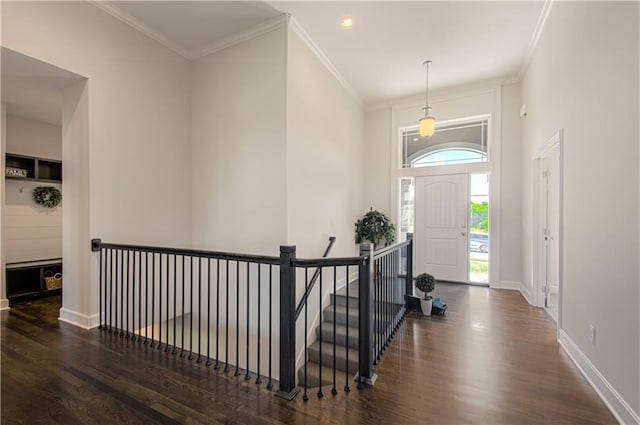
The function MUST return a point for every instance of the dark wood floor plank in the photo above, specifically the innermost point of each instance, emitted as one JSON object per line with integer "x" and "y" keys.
{"x": 493, "y": 359}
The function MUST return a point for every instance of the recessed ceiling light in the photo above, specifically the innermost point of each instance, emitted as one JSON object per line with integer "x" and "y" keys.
{"x": 415, "y": 139}
{"x": 346, "y": 22}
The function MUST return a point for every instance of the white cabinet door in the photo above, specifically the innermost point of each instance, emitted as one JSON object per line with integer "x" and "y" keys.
{"x": 441, "y": 236}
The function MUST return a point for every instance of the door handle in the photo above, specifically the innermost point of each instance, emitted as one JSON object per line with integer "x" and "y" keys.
{"x": 463, "y": 233}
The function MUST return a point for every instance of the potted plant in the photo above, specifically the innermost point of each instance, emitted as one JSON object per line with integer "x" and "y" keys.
{"x": 426, "y": 283}
{"x": 376, "y": 228}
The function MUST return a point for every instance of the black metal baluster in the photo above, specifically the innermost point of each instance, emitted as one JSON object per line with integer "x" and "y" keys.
{"x": 139, "y": 268}
{"x": 226, "y": 332}
{"x": 320, "y": 394}
{"x": 217, "y": 364}
{"x": 146, "y": 298}
{"x": 305, "y": 396}
{"x": 269, "y": 383}
{"x": 208, "y": 363}
{"x": 100, "y": 308}
{"x": 160, "y": 301}
{"x": 133, "y": 297}
{"x": 153, "y": 299}
{"x": 175, "y": 305}
{"x": 347, "y": 388}
{"x": 237, "y": 372}
{"x": 111, "y": 288}
{"x": 182, "y": 311}
{"x": 199, "y": 311}
{"x": 258, "y": 379}
{"x": 247, "y": 376}
{"x": 375, "y": 308}
{"x": 191, "y": 310}
{"x": 125, "y": 295}
{"x": 121, "y": 293}
{"x": 334, "y": 391}
{"x": 386, "y": 302}
{"x": 166, "y": 340}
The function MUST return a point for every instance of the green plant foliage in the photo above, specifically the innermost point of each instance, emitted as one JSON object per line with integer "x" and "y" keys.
{"x": 479, "y": 216}
{"x": 47, "y": 196}
{"x": 426, "y": 283}
{"x": 374, "y": 226}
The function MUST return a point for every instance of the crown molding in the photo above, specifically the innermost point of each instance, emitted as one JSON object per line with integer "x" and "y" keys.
{"x": 139, "y": 26}
{"x": 242, "y": 36}
{"x": 306, "y": 39}
{"x": 533, "y": 43}
{"x": 445, "y": 93}
{"x": 239, "y": 37}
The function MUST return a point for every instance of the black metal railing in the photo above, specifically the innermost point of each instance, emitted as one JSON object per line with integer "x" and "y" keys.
{"x": 208, "y": 306}
{"x": 197, "y": 303}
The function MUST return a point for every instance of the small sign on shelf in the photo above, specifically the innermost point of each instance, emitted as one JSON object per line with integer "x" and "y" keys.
{"x": 16, "y": 172}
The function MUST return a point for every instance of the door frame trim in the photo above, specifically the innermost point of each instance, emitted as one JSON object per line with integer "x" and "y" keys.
{"x": 555, "y": 142}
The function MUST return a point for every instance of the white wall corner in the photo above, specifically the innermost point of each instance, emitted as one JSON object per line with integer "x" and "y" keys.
{"x": 78, "y": 319}
{"x": 324, "y": 60}
{"x": 4, "y": 304}
{"x": 526, "y": 293}
{"x": 614, "y": 401}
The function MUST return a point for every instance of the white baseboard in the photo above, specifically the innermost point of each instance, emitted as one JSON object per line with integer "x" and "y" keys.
{"x": 614, "y": 401}
{"x": 78, "y": 319}
{"x": 508, "y": 284}
{"x": 4, "y": 305}
{"x": 526, "y": 293}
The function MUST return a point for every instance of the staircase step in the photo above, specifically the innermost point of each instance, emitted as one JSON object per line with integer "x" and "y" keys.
{"x": 313, "y": 379}
{"x": 328, "y": 359}
{"x": 342, "y": 300}
{"x": 341, "y": 334}
{"x": 343, "y": 316}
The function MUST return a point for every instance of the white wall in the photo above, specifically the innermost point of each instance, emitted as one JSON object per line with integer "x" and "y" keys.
{"x": 239, "y": 146}
{"x": 511, "y": 185}
{"x": 33, "y": 138}
{"x": 31, "y": 232}
{"x": 325, "y": 156}
{"x": 138, "y": 136}
{"x": 378, "y": 136}
{"x": 583, "y": 78}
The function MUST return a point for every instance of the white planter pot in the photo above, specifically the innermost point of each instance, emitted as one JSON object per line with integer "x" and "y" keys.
{"x": 426, "y": 306}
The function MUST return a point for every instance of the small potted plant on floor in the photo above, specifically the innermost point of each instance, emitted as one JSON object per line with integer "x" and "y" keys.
{"x": 426, "y": 283}
{"x": 376, "y": 228}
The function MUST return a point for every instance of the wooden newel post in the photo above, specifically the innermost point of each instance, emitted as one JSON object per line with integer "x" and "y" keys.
{"x": 287, "y": 388}
{"x": 365, "y": 322}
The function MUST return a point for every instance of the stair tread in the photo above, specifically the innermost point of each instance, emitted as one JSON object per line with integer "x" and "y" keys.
{"x": 313, "y": 380}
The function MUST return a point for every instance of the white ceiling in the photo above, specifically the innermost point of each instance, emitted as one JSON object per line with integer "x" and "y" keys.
{"x": 33, "y": 89}
{"x": 381, "y": 56}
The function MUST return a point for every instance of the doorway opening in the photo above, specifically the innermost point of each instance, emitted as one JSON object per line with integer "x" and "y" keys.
{"x": 479, "y": 228}
{"x": 547, "y": 226}
{"x": 39, "y": 110}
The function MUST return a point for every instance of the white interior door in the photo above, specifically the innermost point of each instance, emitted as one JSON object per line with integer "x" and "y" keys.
{"x": 551, "y": 231}
{"x": 441, "y": 237}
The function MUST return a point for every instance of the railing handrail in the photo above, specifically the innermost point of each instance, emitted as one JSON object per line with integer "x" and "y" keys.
{"x": 387, "y": 249}
{"x": 263, "y": 259}
{"x": 332, "y": 239}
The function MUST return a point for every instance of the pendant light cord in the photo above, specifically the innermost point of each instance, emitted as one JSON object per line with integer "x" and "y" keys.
{"x": 426, "y": 106}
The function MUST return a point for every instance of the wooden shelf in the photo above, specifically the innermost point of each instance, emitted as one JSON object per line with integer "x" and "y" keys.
{"x": 25, "y": 281}
{"x": 38, "y": 169}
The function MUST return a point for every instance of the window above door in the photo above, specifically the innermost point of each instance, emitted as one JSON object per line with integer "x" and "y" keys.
{"x": 464, "y": 142}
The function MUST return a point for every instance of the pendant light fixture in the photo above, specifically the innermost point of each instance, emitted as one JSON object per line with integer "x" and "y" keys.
{"x": 427, "y": 123}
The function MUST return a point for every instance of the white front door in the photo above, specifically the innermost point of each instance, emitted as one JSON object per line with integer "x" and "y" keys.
{"x": 441, "y": 237}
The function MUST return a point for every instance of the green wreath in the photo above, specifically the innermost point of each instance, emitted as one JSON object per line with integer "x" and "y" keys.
{"x": 47, "y": 196}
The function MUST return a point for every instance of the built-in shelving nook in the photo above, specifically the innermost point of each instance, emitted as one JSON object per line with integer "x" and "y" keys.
{"x": 33, "y": 232}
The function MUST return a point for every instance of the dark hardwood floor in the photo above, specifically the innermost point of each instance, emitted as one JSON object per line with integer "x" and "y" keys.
{"x": 491, "y": 360}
